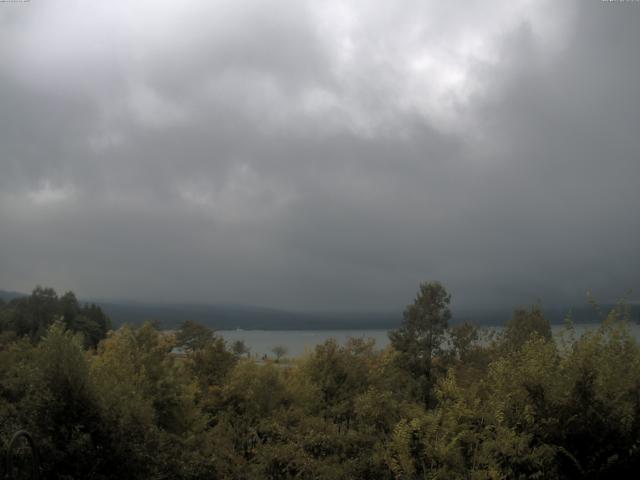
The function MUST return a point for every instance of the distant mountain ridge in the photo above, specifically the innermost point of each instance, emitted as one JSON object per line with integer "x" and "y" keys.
{"x": 8, "y": 295}
{"x": 231, "y": 317}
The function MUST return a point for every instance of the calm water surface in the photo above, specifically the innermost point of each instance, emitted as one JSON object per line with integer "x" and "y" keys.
{"x": 297, "y": 342}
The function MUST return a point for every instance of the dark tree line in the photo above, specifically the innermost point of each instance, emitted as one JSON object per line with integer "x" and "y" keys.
{"x": 30, "y": 317}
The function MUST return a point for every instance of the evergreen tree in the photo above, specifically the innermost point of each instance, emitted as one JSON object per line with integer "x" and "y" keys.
{"x": 420, "y": 336}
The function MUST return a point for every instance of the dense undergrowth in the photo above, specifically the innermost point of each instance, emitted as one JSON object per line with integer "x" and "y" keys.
{"x": 440, "y": 402}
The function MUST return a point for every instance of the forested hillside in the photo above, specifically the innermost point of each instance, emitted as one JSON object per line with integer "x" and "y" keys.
{"x": 246, "y": 317}
{"x": 440, "y": 402}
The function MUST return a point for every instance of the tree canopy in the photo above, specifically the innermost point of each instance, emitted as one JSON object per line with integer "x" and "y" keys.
{"x": 31, "y": 316}
{"x": 421, "y": 334}
{"x": 519, "y": 404}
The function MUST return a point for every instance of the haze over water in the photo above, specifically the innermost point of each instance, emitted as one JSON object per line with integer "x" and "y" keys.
{"x": 299, "y": 342}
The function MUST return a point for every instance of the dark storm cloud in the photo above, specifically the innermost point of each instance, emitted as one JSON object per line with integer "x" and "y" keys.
{"x": 321, "y": 156}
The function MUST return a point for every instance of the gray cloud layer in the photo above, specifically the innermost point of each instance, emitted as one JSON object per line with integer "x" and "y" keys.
{"x": 320, "y": 154}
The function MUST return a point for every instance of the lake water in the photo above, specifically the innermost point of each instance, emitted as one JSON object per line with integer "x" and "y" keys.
{"x": 297, "y": 342}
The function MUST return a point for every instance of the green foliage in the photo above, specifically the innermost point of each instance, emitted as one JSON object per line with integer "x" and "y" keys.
{"x": 240, "y": 348}
{"x": 420, "y": 337}
{"x": 193, "y": 335}
{"x": 523, "y": 325}
{"x": 523, "y": 406}
{"x": 211, "y": 363}
{"x": 31, "y": 316}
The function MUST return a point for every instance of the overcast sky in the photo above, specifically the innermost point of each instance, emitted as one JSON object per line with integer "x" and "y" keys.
{"x": 321, "y": 154}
